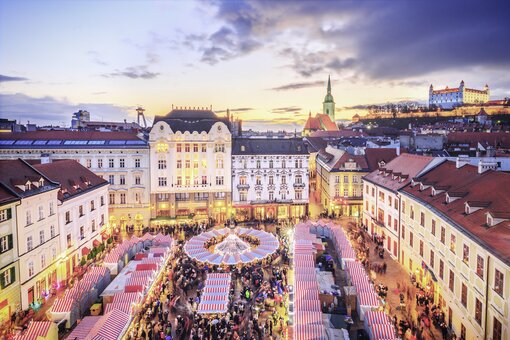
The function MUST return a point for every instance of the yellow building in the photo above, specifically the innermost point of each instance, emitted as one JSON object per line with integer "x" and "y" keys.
{"x": 454, "y": 237}
{"x": 339, "y": 178}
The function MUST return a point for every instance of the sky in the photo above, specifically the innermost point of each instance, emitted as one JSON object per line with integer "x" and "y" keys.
{"x": 266, "y": 61}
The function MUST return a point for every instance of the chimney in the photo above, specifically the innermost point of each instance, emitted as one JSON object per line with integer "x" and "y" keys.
{"x": 45, "y": 158}
{"x": 485, "y": 165}
{"x": 491, "y": 151}
{"x": 461, "y": 161}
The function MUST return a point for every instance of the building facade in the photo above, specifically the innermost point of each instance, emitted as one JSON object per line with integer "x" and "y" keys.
{"x": 339, "y": 178}
{"x": 190, "y": 153}
{"x": 270, "y": 178}
{"x": 82, "y": 210}
{"x": 121, "y": 158}
{"x": 36, "y": 229}
{"x": 9, "y": 267}
{"x": 455, "y": 241}
{"x": 449, "y": 98}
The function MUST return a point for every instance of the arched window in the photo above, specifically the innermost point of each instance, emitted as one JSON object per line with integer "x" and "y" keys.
{"x": 219, "y": 163}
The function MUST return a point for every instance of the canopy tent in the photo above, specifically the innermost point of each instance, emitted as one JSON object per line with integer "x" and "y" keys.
{"x": 127, "y": 298}
{"x": 127, "y": 308}
{"x": 212, "y": 307}
{"x": 39, "y": 330}
{"x": 111, "y": 326}
{"x": 215, "y": 295}
{"x": 81, "y": 331}
{"x": 384, "y": 331}
{"x": 366, "y": 301}
{"x": 309, "y": 332}
{"x": 64, "y": 309}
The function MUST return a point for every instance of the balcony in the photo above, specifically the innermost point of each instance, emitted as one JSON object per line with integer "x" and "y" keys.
{"x": 299, "y": 185}
{"x": 243, "y": 186}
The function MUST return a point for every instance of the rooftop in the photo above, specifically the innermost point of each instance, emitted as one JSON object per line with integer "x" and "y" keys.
{"x": 22, "y": 180}
{"x": 255, "y": 146}
{"x": 191, "y": 120}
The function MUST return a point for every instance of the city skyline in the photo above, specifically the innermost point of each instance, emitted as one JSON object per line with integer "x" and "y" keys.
{"x": 266, "y": 62}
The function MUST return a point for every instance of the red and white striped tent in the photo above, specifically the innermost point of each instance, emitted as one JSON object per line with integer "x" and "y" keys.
{"x": 212, "y": 297}
{"x": 81, "y": 331}
{"x": 214, "y": 283}
{"x": 127, "y": 308}
{"x": 110, "y": 326}
{"x": 308, "y": 305}
{"x": 304, "y": 260}
{"x": 62, "y": 305}
{"x": 368, "y": 299}
{"x": 126, "y": 298}
{"x": 216, "y": 289}
{"x": 212, "y": 307}
{"x": 309, "y": 332}
{"x": 212, "y": 276}
{"x": 383, "y": 332}
{"x": 142, "y": 273}
{"x": 376, "y": 317}
{"x": 135, "y": 284}
{"x": 306, "y": 318}
{"x": 363, "y": 286}
{"x": 39, "y": 330}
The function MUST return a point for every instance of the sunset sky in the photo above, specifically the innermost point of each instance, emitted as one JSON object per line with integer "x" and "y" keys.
{"x": 267, "y": 61}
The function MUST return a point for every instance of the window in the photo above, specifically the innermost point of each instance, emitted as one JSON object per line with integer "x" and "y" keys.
{"x": 187, "y": 164}
{"x": 111, "y": 179}
{"x": 403, "y": 232}
{"x": 88, "y": 163}
{"x": 195, "y": 147}
{"x": 451, "y": 281}
{"x": 137, "y": 180}
{"x": 219, "y": 180}
{"x": 111, "y": 163}
{"x": 355, "y": 179}
{"x": 204, "y": 147}
{"x": 41, "y": 236}
{"x": 421, "y": 248}
{"x": 432, "y": 258}
{"x": 195, "y": 164}
{"x": 403, "y": 207}
{"x": 30, "y": 246}
{"x": 101, "y": 199}
{"x": 41, "y": 212}
{"x": 411, "y": 239}
{"x": 346, "y": 192}
{"x": 433, "y": 229}
{"x": 441, "y": 269}
{"x": 346, "y": 179}
{"x": 389, "y": 222}
{"x": 112, "y": 198}
{"x": 137, "y": 162}
{"x": 412, "y": 213}
{"x": 161, "y": 164}
{"x": 6, "y": 243}
{"x": 422, "y": 219}
{"x": 69, "y": 241}
{"x": 29, "y": 217}
{"x": 381, "y": 196}
{"x": 258, "y": 180}
{"x": 43, "y": 261}
{"x": 243, "y": 195}
{"x": 219, "y": 163}
{"x": 389, "y": 201}
{"x": 187, "y": 148}
{"x": 258, "y": 195}
{"x": 478, "y": 311}
{"x": 462, "y": 332}
{"x": 373, "y": 192}
{"x": 242, "y": 180}
{"x": 479, "y": 266}
{"x": 443, "y": 235}
{"x": 204, "y": 180}
{"x": 395, "y": 224}
{"x": 7, "y": 277}
{"x": 271, "y": 180}
{"x": 271, "y": 195}
{"x": 284, "y": 179}
{"x": 452, "y": 243}
{"x": 270, "y": 164}
{"x": 496, "y": 331}
{"x": 52, "y": 208}
{"x": 258, "y": 164}
{"x": 465, "y": 254}
{"x": 283, "y": 163}
{"x": 162, "y": 181}
{"x": 283, "y": 195}
{"x": 93, "y": 225}
{"x": 31, "y": 270}
{"x": 122, "y": 198}
{"x": 53, "y": 254}
{"x": 196, "y": 181}
{"x": 122, "y": 179}
{"x": 179, "y": 164}
{"x": 299, "y": 179}
{"x": 299, "y": 163}
{"x": 179, "y": 180}
{"x": 80, "y": 210}
{"x": 299, "y": 194}
{"x": 82, "y": 233}
{"x": 122, "y": 163}
{"x": 92, "y": 205}
{"x": 179, "y": 147}
{"x": 137, "y": 197}
{"x": 99, "y": 163}
{"x": 68, "y": 217}
{"x": 463, "y": 295}
{"x": 499, "y": 282}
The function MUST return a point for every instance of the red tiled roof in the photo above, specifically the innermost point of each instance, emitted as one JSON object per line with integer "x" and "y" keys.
{"x": 490, "y": 186}
{"x": 327, "y": 123}
{"x": 312, "y": 123}
{"x": 70, "y": 135}
{"x": 6, "y": 196}
{"x": 346, "y": 157}
{"x": 496, "y": 139}
{"x": 17, "y": 172}
{"x": 447, "y": 90}
{"x": 406, "y": 164}
{"x": 73, "y": 177}
{"x": 375, "y": 155}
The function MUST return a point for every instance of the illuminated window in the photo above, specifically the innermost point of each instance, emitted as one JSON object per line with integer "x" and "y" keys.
{"x": 179, "y": 180}
{"x": 451, "y": 281}
{"x": 195, "y": 147}
{"x": 204, "y": 147}
{"x": 122, "y": 198}
{"x": 179, "y": 147}
{"x": 187, "y": 148}
{"x": 270, "y": 164}
{"x": 478, "y": 311}
{"x": 432, "y": 258}
{"x": 258, "y": 180}
{"x": 465, "y": 254}
{"x": 443, "y": 235}
{"x": 242, "y": 180}
{"x": 187, "y": 164}
{"x": 452, "y": 243}
{"x": 137, "y": 162}
{"x": 161, "y": 147}
{"x": 179, "y": 164}
{"x": 41, "y": 236}
{"x": 187, "y": 181}
{"x": 479, "y": 266}
{"x": 99, "y": 163}
{"x": 243, "y": 195}
{"x": 219, "y": 163}
{"x": 195, "y": 164}
{"x": 30, "y": 246}
{"x": 499, "y": 282}
{"x": 31, "y": 270}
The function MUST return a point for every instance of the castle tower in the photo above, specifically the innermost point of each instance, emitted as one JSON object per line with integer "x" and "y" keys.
{"x": 328, "y": 106}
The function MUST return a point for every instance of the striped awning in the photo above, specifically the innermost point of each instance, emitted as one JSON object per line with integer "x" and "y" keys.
{"x": 137, "y": 283}
{"x": 218, "y": 276}
{"x": 126, "y": 298}
{"x": 210, "y": 297}
{"x": 309, "y": 332}
{"x": 83, "y": 328}
{"x": 308, "y": 305}
{"x": 212, "y": 307}
{"x": 383, "y": 331}
{"x": 110, "y": 326}
{"x": 122, "y": 306}
{"x": 376, "y": 317}
{"x": 215, "y": 283}
{"x": 37, "y": 329}
{"x": 368, "y": 299}
{"x": 221, "y": 289}
{"x": 97, "y": 269}
{"x": 63, "y": 305}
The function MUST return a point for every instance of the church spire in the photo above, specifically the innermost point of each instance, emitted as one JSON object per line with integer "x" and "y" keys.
{"x": 329, "y": 84}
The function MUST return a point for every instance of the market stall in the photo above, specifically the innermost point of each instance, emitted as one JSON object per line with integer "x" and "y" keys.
{"x": 39, "y": 330}
{"x": 64, "y": 309}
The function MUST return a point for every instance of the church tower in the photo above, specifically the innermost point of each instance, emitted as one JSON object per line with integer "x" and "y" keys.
{"x": 328, "y": 106}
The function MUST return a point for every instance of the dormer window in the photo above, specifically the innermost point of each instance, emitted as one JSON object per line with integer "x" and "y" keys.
{"x": 41, "y": 182}
{"x": 28, "y": 186}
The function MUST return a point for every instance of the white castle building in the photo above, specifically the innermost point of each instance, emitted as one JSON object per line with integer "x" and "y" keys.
{"x": 448, "y": 98}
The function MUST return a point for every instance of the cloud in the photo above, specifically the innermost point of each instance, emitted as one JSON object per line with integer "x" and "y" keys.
{"x": 236, "y": 110}
{"x": 99, "y": 93}
{"x": 297, "y": 86}
{"x": 4, "y": 78}
{"x": 49, "y": 110}
{"x": 287, "y": 109}
{"x": 133, "y": 72}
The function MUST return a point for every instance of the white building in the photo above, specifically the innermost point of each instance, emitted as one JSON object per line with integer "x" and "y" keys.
{"x": 448, "y": 98}
{"x": 190, "y": 166}
{"x": 82, "y": 210}
{"x": 121, "y": 158}
{"x": 36, "y": 226}
{"x": 269, "y": 178}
